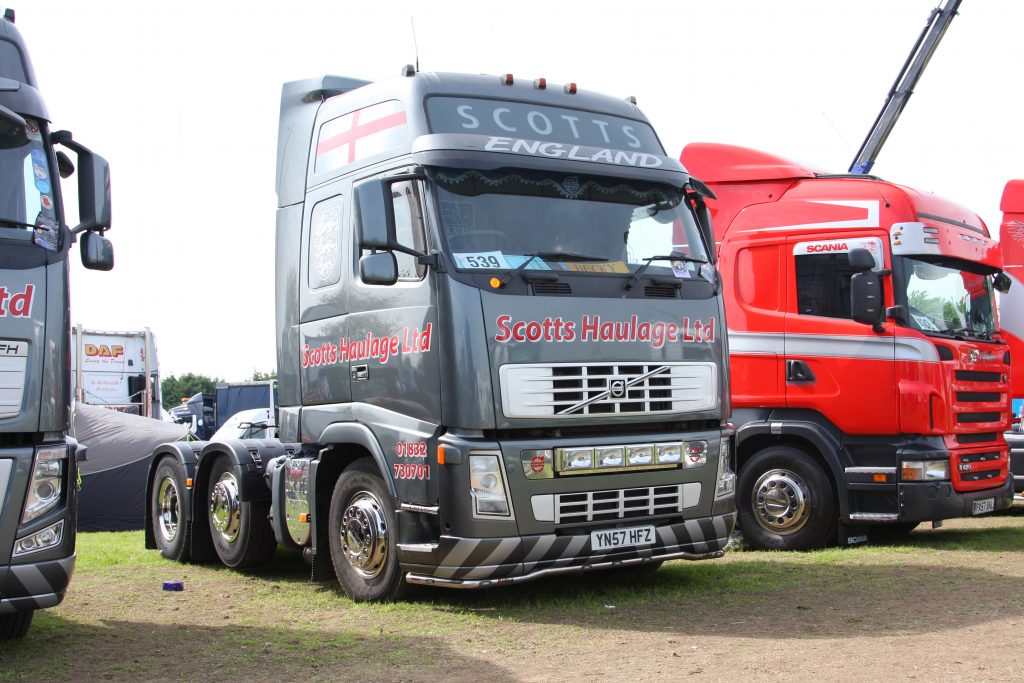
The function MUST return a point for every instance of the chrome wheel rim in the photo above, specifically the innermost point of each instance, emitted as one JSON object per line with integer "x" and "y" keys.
{"x": 225, "y": 512}
{"x": 167, "y": 509}
{"x": 781, "y": 502}
{"x": 364, "y": 535}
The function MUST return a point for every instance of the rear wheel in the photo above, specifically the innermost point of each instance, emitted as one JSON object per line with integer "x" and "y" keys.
{"x": 13, "y": 626}
{"x": 363, "y": 529}
{"x": 785, "y": 501}
{"x": 241, "y": 533}
{"x": 169, "y": 529}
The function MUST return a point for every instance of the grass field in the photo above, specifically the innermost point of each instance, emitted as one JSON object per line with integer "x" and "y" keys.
{"x": 946, "y": 602}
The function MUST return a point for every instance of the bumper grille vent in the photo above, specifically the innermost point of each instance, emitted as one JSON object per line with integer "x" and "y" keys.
{"x": 607, "y": 506}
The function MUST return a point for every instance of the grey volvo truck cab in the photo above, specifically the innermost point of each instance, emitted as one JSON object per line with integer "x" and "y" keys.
{"x": 501, "y": 350}
{"x": 37, "y": 459}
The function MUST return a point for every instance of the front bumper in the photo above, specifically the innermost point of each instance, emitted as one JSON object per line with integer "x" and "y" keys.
{"x": 35, "y": 585}
{"x": 931, "y": 501}
{"x": 481, "y": 562}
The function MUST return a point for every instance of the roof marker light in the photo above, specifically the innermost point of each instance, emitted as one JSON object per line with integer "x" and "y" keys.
{"x": 540, "y": 84}
{"x": 570, "y": 89}
{"x": 507, "y": 79}
{"x": 631, "y": 99}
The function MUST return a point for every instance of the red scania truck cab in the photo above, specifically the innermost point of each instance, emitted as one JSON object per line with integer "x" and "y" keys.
{"x": 869, "y": 378}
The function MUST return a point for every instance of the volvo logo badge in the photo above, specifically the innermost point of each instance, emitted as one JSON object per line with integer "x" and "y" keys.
{"x": 617, "y": 388}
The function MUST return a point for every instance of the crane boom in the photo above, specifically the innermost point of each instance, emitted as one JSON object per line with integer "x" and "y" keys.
{"x": 903, "y": 87}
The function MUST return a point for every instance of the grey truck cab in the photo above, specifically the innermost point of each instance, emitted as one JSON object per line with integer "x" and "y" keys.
{"x": 37, "y": 459}
{"x": 501, "y": 351}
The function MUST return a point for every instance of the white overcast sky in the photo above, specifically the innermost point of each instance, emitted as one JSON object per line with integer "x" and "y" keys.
{"x": 183, "y": 97}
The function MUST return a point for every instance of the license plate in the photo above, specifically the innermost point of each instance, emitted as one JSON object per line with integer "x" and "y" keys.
{"x": 621, "y": 538}
{"x": 984, "y": 505}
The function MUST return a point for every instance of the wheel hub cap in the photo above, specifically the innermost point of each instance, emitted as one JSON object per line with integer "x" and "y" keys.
{"x": 364, "y": 535}
{"x": 167, "y": 502}
{"x": 781, "y": 502}
{"x": 225, "y": 512}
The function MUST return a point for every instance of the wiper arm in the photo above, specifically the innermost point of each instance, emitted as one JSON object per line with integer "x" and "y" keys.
{"x": 647, "y": 262}
{"x": 550, "y": 256}
{"x": 18, "y": 223}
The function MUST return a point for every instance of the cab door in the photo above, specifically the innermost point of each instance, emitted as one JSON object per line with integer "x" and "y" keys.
{"x": 840, "y": 368}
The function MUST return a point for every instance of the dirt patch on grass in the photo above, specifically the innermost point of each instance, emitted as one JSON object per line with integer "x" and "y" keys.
{"x": 938, "y": 603}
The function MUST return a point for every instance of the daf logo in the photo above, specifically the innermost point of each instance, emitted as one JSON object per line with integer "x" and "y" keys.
{"x": 617, "y": 388}
{"x": 971, "y": 357}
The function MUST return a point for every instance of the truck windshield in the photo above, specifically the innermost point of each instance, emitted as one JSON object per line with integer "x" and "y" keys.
{"x": 948, "y": 297}
{"x": 498, "y": 220}
{"x": 26, "y": 193}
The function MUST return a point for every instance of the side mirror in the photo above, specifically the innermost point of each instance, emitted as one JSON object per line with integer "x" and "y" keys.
{"x": 1001, "y": 282}
{"x": 866, "y": 296}
{"x": 375, "y": 215}
{"x": 97, "y": 251}
{"x": 861, "y": 259}
{"x": 93, "y": 185}
{"x": 64, "y": 165}
{"x": 380, "y": 268}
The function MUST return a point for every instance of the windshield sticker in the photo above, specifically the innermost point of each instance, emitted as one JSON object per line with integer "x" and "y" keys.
{"x": 42, "y": 185}
{"x": 681, "y": 269}
{"x": 493, "y": 260}
{"x": 592, "y": 328}
{"x": 32, "y": 129}
{"x": 47, "y": 233}
{"x": 514, "y": 261}
{"x": 45, "y": 200}
{"x": 925, "y": 323}
{"x": 610, "y": 267}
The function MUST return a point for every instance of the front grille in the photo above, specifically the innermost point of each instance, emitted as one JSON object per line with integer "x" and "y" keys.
{"x": 13, "y": 368}
{"x": 549, "y": 288}
{"x": 575, "y": 390}
{"x": 977, "y": 376}
{"x": 661, "y": 291}
{"x": 979, "y": 457}
{"x": 978, "y": 396}
{"x": 606, "y": 506}
{"x": 981, "y": 437}
{"x": 978, "y": 417}
{"x": 980, "y": 476}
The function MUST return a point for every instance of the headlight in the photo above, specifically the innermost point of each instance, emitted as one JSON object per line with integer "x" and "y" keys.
{"x": 611, "y": 456}
{"x": 639, "y": 456}
{"x": 44, "y": 491}
{"x": 670, "y": 453}
{"x": 575, "y": 459}
{"x": 487, "y": 485}
{"x": 924, "y": 470}
{"x": 726, "y": 477}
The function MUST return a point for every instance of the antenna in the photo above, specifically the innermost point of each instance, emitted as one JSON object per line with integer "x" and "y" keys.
{"x": 415, "y": 45}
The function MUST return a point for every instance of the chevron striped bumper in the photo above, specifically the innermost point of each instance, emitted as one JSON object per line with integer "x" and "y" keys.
{"x": 34, "y": 586}
{"x": 481, "y": 562}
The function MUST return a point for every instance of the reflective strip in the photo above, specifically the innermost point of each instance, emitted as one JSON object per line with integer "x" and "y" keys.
{"x": 833, "y": 346}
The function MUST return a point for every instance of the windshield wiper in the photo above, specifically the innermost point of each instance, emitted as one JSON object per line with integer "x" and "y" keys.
{"x": 18, "y": 223}
{"x": 647, "y": 262}
{"x": 550, "y": 256}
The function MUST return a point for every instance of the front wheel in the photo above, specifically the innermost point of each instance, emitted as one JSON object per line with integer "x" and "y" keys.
{"x": 241, "y": 534}
{"x": 785, "y": 501}
{"x": 13, "y": 626}
{"x": 363, "y": 531}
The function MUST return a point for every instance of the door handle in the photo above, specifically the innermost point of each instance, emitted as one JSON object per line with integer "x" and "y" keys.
{"x": 360, "y": 373}
{"x": 799, "y": 372}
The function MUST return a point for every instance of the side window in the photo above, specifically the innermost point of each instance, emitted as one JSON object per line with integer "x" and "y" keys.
{"x": 325, "y": 243}
{"x": 823, "y": 284}
{"x": 409, "y": 229}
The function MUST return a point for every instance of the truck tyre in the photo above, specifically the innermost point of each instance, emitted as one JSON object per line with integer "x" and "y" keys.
{"x": 15, "y": 625}
{"x": 785, "y": 501}
{"x": 363, "y": 529}
{"x": 241, "y": 533}
{"x": 165, "y": 509}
